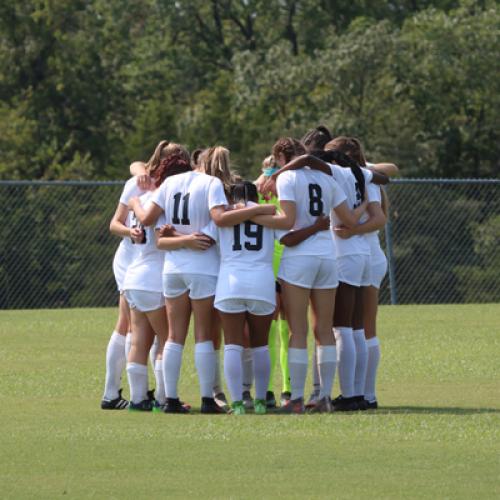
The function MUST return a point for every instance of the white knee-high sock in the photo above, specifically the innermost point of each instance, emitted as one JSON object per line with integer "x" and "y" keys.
{"x": 138, "y": 381}
{"x": 153, "y": 352}
{"x": 115, "y": 364}
{"x": 204, "y": 360}
{"x": 262, "y": 370}
{"x": 297, "y": 364}
{"x": 373, "y": 346}
{"x": 346, "y": 357}
{"x": 171, "y": 363}
{"x": 315, "y": 370}
{"x": 361, "y": 362}
{"x": 128, "y": 344}
{"x": 247, "y": 369}
{"x": 160, "y": 383}
{"x": 327, "y": 363}
{"x": 233, "y": 370}
{"x": 217, "y": 381}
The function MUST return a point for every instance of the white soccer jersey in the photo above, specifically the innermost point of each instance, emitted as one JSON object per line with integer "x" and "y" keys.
{"x": 186, "y": 200}
{"x": 246, "y": 266}
{"x": 357, "y": 244}
{"x": 314, "y": 194}
{"x": 144, "y": 272}
{"x": 374, "y": 196}
{"x": 126, "y": 251}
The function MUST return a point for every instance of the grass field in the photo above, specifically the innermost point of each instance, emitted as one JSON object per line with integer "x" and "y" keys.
{"x": 436, "y": 436}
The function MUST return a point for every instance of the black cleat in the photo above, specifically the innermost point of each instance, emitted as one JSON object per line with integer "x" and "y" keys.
{"x": 247, "y": 400}
{"x": 209, "y": 406}
{"x": 173, "y": 405}
{"x": 371, "y": 405}
{"x": 361, "y": 403}
{"x": 220, "y": 399}
{"x": 144, "y": 405}
{"x": 270, "y": 400}
{"x": 345, "y": 404}
{"x": 115, "y": 404}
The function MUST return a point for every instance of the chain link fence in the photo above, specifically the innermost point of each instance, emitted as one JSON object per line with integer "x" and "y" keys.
{"x": 442, "y": 241}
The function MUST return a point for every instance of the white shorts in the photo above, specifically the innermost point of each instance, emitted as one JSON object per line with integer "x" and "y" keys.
{"x": 144, "y": 301}
{"x": 308, "y": 271}
{"x": 378, "y": 268}
{"x": 252, "y": 306}
{"x": 354, "y": 270}
{"x": 200, "y": 286}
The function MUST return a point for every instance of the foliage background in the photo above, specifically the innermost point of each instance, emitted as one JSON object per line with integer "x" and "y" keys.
{"x": 87, "y": 86}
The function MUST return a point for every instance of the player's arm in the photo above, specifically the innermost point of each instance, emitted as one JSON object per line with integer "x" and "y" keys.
{"x": 146, "y": 217}
{"x": 138, "y": 169}
{"x": 375, "y": 222}
{"x": 348, "y": 217}
{"x": 118, "y": 228}
{"x": 169, "y": 239}
{"x": 293, "y": 238}
{"x": 226, "y": 218}
{"x": 285, "y": 219}
{"x": 387, "y": 169}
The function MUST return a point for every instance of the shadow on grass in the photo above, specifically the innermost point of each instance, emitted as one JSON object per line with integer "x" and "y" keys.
{"x": 437, "y": 410}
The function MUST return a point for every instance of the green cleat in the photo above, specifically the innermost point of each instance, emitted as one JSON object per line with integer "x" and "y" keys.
{"x": 260, "y": 406}
{"x": 238, "y": 408}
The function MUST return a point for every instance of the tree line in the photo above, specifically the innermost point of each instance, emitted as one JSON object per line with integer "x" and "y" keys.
{"x": 87, "y": 86}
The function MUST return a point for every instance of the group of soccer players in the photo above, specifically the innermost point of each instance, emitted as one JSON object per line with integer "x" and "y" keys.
{"x": 252, "y": 261}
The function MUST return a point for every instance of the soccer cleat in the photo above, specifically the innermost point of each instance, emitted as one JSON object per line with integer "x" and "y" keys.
{"x": 247, "y": 400}
{"x": 221, "y": 401}
{"x": 237, "y": 408}
{"x": 270, "y": 400}
{"x": 115, "y": 404}
{"x": 285, "y": 397}
{"x": 173, "y": 405}
{"x": 313, "y": 399}
{"x": 260, "y": 407}
{"x": 144, "y": 405}
{"x": 345, "y": 404}
{"x": 209, "y": 406}
{"x": 361, "y": 403}
{"x": 293, "y": 406}
{"x": 323, "y": 405}
{"x": 371, "y": 405}
{"x": 158, "y": 407}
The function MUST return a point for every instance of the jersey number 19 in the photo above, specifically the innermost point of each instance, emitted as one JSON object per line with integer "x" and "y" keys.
{"x": 253, "y": 232}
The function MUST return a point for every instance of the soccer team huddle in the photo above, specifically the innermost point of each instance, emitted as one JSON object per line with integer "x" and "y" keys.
{"x": 251, "y": 263}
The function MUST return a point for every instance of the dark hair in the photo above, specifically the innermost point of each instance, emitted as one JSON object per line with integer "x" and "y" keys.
{"x": 288, "y": 147}
{"x": 244, "y": 190}
{"x": 195, "y": 155}
{"x": 317, "y": 138}
{"x": 176, "y": 163}
{"x": 333, "y": 155}
{"x": 351, "y": 146}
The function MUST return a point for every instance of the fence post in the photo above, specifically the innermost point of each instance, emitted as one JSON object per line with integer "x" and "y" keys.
{"x": 391, "y": 264}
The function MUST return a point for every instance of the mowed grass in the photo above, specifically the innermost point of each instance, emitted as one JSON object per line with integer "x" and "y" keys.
{"x": 436, "y": 436}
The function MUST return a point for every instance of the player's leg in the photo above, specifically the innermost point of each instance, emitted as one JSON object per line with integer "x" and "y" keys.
{"x": 296, "y": 301}
{"x": 259, "y": 324}
{"x": 116, "y": 360}
{"x": 158, "y": 321}
{"x": 358, "y": 335}
{"x": 248, "y": 372}
{"x": 233, "y": 324}
{"x": 137, "y": 363}
{"x": 370, "y": 307}
{"x": 322, "y": 305}
{"x": 346, "y": 349}
{"x": 284, "y": 335}
{"x": 217, "y": 391}
{"x": 204, "y": 353}
{"x": 178, "y": 314}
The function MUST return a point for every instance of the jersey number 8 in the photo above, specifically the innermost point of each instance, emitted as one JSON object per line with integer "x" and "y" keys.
{"x": 315, "y": 201}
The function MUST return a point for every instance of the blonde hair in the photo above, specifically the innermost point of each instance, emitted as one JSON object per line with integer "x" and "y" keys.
{"x": 214, "y": 161}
